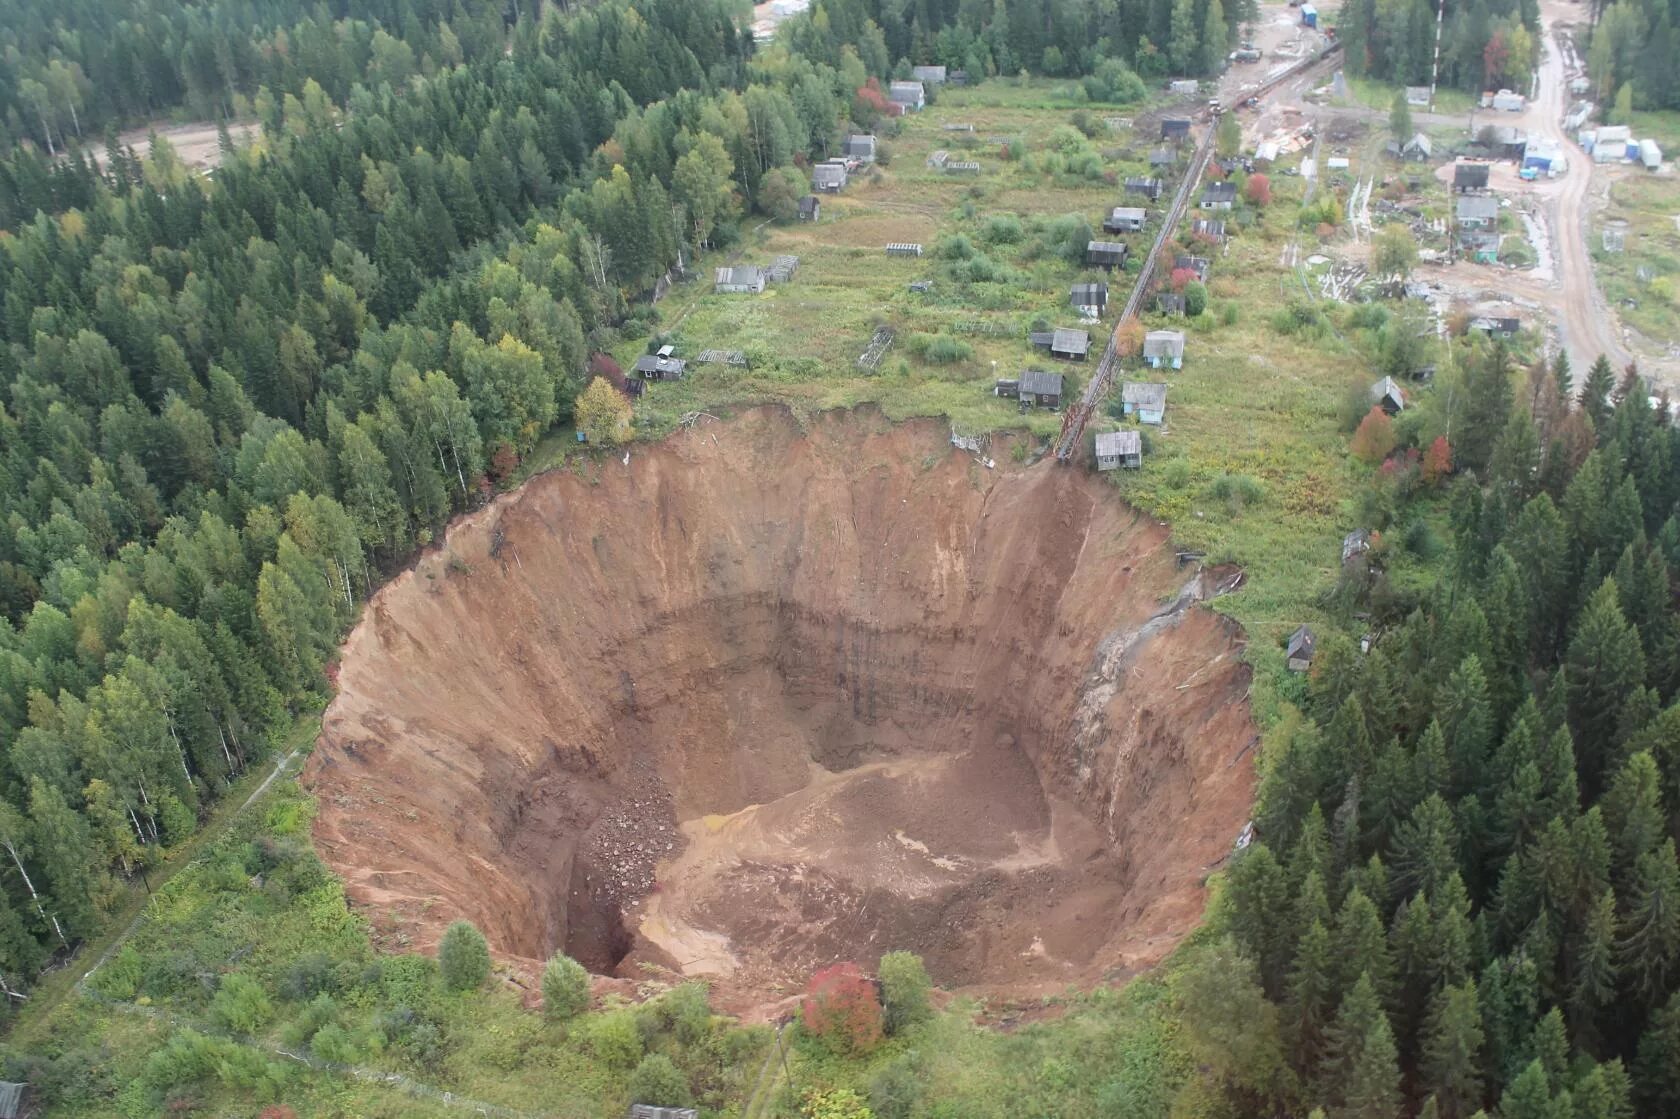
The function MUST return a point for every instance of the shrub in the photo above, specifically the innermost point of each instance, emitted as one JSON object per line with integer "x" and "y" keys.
{"x": 1195, "y": 297}
{"x": 1422, "y": 540}
{"x": 895, "y": 1091}
{"x": 603, "y": 414}
{"x": 1374, "y": 440}
{"x": 904, "y": 990}
{"x": 463, "y": 957}
{"x": 840, "y": 1007}
{"x": 659, "y": 1083}
{"x": 333, "y": 1045}
{"x": 565, "y": 988}
{"x": 240, "y": 1004}
{"x": 1258, "y": 190}
{"x": 956, "y": 247}
{"x": 1237, "y": 491}
{"x": 615, "y": 1038}
{"x": 1437, "y": 461}
{"x": 1002, "y": 229}
{"x": 837, "y": 1103}
{"x": 685, "y": 1011}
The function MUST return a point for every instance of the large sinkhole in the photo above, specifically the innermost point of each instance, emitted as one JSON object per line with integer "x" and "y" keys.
{"x": 773, "y": 694}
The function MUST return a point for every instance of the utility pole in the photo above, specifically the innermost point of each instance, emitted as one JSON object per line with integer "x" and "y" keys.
{"x": 1435, "y": 66}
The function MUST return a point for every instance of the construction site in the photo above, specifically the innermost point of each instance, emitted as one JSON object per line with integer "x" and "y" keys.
{"x": 773, "y": 694}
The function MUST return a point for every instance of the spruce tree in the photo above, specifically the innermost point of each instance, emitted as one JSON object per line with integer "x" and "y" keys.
{"x": 463, "y": 957}
{"x": 1656, "y": 1069}
{"x": 1452, "y": 1052}
{"x": 1650, "y": 945}
{"x": 565, "y": 988}
{"x": 1605, "y": 664}
{"x": 1595, "y": 394}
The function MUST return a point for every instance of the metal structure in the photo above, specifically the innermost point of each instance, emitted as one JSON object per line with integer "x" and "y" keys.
{"x": 1077, "y": 416}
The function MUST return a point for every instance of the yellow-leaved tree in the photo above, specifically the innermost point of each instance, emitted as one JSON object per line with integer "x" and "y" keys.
{"x": 603, "y": 415}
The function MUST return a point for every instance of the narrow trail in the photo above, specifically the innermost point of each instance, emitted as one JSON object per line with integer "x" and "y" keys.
{"x": 770, "y": 1076}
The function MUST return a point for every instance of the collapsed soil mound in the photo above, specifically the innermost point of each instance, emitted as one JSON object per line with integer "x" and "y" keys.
{"x": 764, "y": 698}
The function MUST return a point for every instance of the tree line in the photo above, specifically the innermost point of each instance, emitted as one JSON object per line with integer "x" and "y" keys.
{"x": 1464, "y": 898}
{"x": 230, "y": 405}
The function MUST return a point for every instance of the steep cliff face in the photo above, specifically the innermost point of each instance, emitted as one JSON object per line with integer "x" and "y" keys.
{"x": 767, "y": 697}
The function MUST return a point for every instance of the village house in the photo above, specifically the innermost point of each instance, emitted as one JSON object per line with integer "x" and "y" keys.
{"x": 1070, "y": 345}
{"x": 1298, "y": 654}
{"x": 1164, "y": 349}
{"x": 1106, "y": 254}
{"x": 1125, "y": 219}
{"x": 1476, "y": 211}
{"x": 1481, "y": 244}
{"x": 739, "y": 280}
{"x": 1169, "y": 303}
{"x": 910, "y": 96}
{"x": 1039, "y": 389}
{"x": 1175, "y": 129}
{"x": 810, "y": 208}
{"x": 1200, "y": 265}
{"x": 931, "y": 75}
{"x": 1116, "y": 449}
{"x": 1219, "y": 196}
{"x": 1495, "y": 326}
{"x": 1149, "y": 188}
{"x": 661, "y": 366}
{"x": 1145, "y": 400}
{"x": 1162, "y": 157}
{"x": 860, "y": 146}
{"x": 1385, "y": 394}
{"x": 828, "y": 177}
{"x": 1211, "y": 228}
{"x": 1470, "y": 176}
{"x": 1089, "y": 298}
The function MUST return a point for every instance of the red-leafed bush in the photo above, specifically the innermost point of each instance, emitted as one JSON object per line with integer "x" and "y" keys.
{"x": 1258, "y": 190}
{"x": 1437, "y": 461}
{"x": 1181, "y": 277}
{"x": 842, "y": 1007}
{"x": 1374, "y": 440}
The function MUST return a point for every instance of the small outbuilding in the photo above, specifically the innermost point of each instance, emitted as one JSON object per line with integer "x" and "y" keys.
{"x": 1298, "y": 653}
{"x": 1146, "y": 400}
{"x": 1309, "y": 16}
{"x": 1385, "y": 394}
{"x": 11, "y": 1099}
{"x": 928, "y": 75}
{"x": 1169, "y": 303}
{"x": 1090, "y": 298}
{"x": 662, "y": 366}
{"x": 1219, "y": 196}
{"x": 903, "y": 248}
{"x": 1199, "y": 265}
{"x": 1106, "y": 254}
{"x": 1650, "y": 155}
{"x": 743, "y": 279}
{"x": 1175, "y": 128}
{"x": 810, "y": 208}
{"x": 1117, "y": 449}
{"x": 648, "y": 1111}
{"x": 1496, "y": 326}
{"x": 1419, "y": 148}
{"x": 1162, "y": 157}
{"x": 1164, "y": 349}
{"x": 1039, "y": 389}
{"x": 1211, "y": 228}
{"x": 1417, "y": 95}
{"x": 1008, "y": 387}
{"x": 1125, "y": 219}
{"x": 1355, "y": 544}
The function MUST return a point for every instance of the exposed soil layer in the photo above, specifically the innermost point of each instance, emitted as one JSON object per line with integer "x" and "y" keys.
{"x": 765, "y": 698}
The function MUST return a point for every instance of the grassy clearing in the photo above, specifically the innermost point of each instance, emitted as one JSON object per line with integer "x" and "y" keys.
{"x": 1380, "y": 95}
{"x": 1651, "y": 305}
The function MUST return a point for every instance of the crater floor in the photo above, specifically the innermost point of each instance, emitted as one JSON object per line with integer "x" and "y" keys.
{"x": 769, "y": 697}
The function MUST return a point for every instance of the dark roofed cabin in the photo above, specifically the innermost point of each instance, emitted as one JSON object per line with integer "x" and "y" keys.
{"x": 810, "y": 208}
{"x": 1149, "y": 188}
{"x": 659, "y": 367}
{"x": 1470, "y": 176}
{"x": 1169, "y": 303}
{"x": 1089, "y": 296}
{"x": 1106, "y": 254}
{"x": 1070, "y": 345}
{"x": 1039, "y": 389}
{"x": 1299, "y": 653}
{"x": 1175, "y": 128}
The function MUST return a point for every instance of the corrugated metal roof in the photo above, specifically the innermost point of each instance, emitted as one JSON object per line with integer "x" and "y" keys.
{"x": 1040, "y": 383}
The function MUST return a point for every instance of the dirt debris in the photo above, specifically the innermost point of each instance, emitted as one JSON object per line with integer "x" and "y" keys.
{"x": 773, "y": 696}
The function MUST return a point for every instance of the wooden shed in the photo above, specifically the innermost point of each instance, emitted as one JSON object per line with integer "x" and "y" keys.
{"x": 1106, "y": 254}
{"x": 1116, "y": 449}
{"x": 1039, "y": 389}
{"x": 1299, "y": 652}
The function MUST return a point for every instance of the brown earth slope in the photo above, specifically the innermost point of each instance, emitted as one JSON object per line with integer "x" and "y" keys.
{"x": 765, "y": 698}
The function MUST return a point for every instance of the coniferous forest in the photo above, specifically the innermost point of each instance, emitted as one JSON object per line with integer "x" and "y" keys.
{"x": 230, "y": 406}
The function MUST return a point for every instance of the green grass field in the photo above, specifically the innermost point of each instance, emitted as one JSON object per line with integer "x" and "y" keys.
{"x": 1650, "y": 304}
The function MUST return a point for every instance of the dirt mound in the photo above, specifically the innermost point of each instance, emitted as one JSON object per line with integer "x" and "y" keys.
{"x": 766, "y": 697}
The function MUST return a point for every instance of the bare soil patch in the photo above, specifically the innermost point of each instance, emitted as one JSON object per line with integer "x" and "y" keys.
{"x": 769, "y": 697}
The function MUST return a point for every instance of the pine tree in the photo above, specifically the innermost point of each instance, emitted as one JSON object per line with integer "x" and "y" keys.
{"x": 1595, "y": 393}
{"x": 1605, "y": 664}
{"x": 1650, "y": 945}
{"x": 1452, "y": 1052}
{"x": 1633, "y": 813}
{"x": 1260, "y": 913}
{"x": 1361, "y": 1070}
{"x": 565, "y": 988}
{"x": 1563, "y": 375}
{"x": 463, "y": 957}
{"x": 1528, "y": 1096}
{"x": 1362, "y": 946}
{"x": 1400, "y": 118}
{"x": 1312, "y": 997}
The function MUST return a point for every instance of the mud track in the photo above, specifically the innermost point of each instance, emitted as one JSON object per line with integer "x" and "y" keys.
{"x": 766, "y": 698}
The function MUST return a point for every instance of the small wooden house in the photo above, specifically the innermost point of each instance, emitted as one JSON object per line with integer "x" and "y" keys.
{"x": 1149, "y": 188}
{"x": 1219, "y": 196}
{"x": 929, "y": 75}
{"x": 1200, "y": 265}
{"x": 648, "y": 1111}
{"x": 1125, "y": 219}
{"x": 1070, "y": 345}
{"x": 1106, "y": 254}
{"x": 1169, "y": 303}
{"x": 1385, "y": 394}
{"x": 1470, "y": 176}
{"x": 860, "y": 146}
{"x": 1211, "y": 228}
{"x": 1039, "y": 389}
{"x": 663, "y": 366}
{"x": 743, "y": 279}
{"x": 1299, "y": 652}
{"x": 1116, "y": 449}
{"x": 910, "y": 96}
{"x": 1144, "y": 400}
{"x": 1008, "y": 387}
{"x": 810, "y": 208}
{"x": 1164, "y": 349}
{"x": 828, "y": 177}
{"x": 1175, "y": 129}
{"x": 1479, "y": 211}
{"x": 1495, "y": 326}
{"x": 1089, "y": 298}
{"x": 1162, "y": 157}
